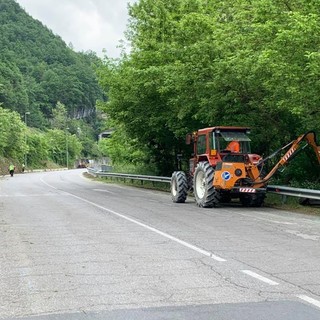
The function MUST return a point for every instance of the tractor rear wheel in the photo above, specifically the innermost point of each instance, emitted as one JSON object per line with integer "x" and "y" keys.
{"x": 179, "y": 187}
{"x": 252, "y": 199}
{"x": 205, "y": 194}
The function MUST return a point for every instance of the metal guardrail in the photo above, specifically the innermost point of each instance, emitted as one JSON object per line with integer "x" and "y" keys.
{"x": 129, "y": 176}
{"x": 281, "y": 190}
{"x": 295, "y": 192}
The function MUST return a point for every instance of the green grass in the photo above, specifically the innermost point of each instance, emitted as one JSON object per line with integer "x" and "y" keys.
{"x": 133, "y": 169}
{"x": 291, "y": 204}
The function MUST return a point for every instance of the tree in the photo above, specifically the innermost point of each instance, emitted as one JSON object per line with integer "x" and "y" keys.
{"x": 38, "y": 69}
{"x": 38, "y": 148}
{"x": 59, "y": 116}
{"x": 63, "y": 146}
{"x": 204, "y": 63}
{"x": 12, "y": 132}
{"x": 126, "y": 153}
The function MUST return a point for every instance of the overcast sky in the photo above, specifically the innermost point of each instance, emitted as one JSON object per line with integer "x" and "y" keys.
{"x": 88, "y": 24}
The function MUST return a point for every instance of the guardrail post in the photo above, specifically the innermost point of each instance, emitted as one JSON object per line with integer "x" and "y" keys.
{"x": 284, "y": 199}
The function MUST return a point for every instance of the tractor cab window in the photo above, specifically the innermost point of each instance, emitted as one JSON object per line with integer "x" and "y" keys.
{"x": 201, "y": 144}
{"x": 233, "y": 142}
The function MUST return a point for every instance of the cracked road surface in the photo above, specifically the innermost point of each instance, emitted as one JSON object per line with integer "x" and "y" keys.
{"x": 72, "y": 248}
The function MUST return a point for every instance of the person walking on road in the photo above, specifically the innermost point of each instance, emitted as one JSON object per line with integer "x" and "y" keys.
{"x": 11, "y": 169}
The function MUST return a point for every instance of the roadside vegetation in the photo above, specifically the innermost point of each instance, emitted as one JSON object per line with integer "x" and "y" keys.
{"x": 195, "y": 64}
{"x": 48, "y": 95}
{"x": 36, "y": 148}
{"x": 192, "y": 64}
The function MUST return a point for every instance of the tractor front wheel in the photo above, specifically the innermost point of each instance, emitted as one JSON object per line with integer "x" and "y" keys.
{"x": 179, "y": 187}
{"x": 205, "y": 194}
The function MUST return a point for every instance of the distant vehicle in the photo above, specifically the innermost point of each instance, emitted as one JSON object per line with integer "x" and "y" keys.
{"x": 82, "y": 163}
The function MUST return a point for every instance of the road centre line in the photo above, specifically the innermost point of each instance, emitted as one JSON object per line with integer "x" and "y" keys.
{"x": 47, "y": 184}
{"x": 259, "y": 277}
{"x": 309, "y": 300}
{"x": 164, "y": 234}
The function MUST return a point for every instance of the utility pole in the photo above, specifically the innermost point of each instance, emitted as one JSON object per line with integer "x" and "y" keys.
{"x": 25, "y": 137}
{"x": 67, "y": 147}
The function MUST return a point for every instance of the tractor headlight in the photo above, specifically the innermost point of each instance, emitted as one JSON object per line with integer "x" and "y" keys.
{"x": 238, "y": 172}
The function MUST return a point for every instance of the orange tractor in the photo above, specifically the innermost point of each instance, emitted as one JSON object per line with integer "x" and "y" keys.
{"x": 223, "y": 167}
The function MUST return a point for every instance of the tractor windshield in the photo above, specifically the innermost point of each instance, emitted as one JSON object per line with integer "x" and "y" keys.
{"x": 235, "y": 142}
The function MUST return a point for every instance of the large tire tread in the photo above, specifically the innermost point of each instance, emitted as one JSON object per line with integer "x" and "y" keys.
{"x": 179, "y": 187}
{"x": 211, "y": 196}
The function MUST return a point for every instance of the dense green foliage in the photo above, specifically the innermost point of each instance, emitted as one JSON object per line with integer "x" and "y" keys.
{"x": 198, "y": 63}
{"x": 12, "y": 133}
{"x": 37, "y": 69}
{"x": 20, "y": 144}
{"x": 47, "y": 86}
{"x": 128, "y": 155}
{"x": 62, "y": 145}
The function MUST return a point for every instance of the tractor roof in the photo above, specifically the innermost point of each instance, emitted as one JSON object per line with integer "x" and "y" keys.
{"x": 224, "y": 128}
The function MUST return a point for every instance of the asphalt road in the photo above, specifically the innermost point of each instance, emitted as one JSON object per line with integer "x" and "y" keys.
{"x": 72, "y": 248}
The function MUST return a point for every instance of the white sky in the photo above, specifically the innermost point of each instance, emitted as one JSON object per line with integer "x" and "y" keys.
{"x": 88, "y": 24}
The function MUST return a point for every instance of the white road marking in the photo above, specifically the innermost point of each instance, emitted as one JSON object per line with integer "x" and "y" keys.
{"x": 49, "y": 185}
{"x": 259, "y": 277}
{"x": 309, "y": 300}
{"x": 103, "y": 190}
{"x": 164, "y": 234}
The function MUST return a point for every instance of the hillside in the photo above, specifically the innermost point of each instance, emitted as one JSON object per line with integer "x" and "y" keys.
{"x": 37, "y": 69}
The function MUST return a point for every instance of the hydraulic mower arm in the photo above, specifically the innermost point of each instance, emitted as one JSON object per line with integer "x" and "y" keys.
{"x": 295, "y": 147}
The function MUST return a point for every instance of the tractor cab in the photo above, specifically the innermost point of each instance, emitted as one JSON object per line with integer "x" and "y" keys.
{"x": 218, "y": 144}
{"x": 232, "y": 142}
